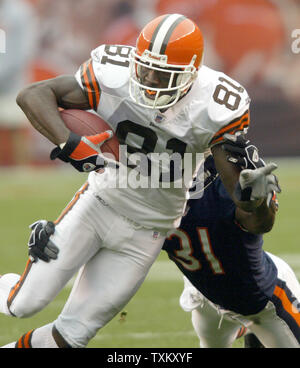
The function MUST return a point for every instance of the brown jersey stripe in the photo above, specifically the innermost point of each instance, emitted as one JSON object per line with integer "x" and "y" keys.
{"x": 233, "y": 123}
{"x": 237, "y": 124}
{"x": 90, "y": 84}
{"x": 232, "y": 131}
{"x": 95, "y": 84}
{"x": 89, "y": 89}
{"x": 14, "y": 291}
{"x": 85, "y": 83}
{"x": 72, "y": 203}
{"x": 232, "y": 126}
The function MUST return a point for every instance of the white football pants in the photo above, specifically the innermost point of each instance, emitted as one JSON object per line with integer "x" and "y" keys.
{"x": 113, "y": 255}
{"x": 276, "y": 326}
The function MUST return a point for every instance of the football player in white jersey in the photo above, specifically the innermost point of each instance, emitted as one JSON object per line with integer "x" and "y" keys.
{"x": 157, "y": 97}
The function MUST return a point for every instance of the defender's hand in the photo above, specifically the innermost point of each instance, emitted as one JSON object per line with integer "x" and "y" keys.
{"x": 257, "y": 184}
{"x": 83, "y": 153}
{"x": 242, "y": 152}
{"x": 40, "y": 245}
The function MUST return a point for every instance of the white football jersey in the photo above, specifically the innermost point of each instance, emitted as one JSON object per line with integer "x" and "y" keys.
{"x": 215, "y": 105}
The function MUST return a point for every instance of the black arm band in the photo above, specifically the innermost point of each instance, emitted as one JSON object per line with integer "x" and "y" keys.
{"x": 71, "y": 144}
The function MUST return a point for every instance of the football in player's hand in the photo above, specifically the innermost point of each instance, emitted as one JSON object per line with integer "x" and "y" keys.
{"x": 85, "y": 123}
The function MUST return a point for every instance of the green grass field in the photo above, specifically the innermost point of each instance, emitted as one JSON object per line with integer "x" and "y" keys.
{"x": 154, "y": 318}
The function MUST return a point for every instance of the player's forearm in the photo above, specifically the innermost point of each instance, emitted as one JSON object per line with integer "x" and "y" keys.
{"x": 39, "y": 104}
{"x": 248, "y": 206}
{"x": 260, "y": 221}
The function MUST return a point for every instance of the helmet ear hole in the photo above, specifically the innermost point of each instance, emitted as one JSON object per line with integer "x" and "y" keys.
{"x": 181, "y": 79}
{"x": 185, "y": 79}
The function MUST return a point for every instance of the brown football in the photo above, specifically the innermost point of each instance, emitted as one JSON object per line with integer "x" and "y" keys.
{"x": 86, "y": 123}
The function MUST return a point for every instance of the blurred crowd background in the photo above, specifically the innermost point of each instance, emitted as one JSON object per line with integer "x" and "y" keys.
{"x": 250, "y": 40}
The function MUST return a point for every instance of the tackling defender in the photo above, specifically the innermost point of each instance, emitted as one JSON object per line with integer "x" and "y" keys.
{"x": 229, "y": 280}
{"x": 157, "y": 97}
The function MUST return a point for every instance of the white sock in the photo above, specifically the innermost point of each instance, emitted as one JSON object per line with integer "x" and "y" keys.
{"x": 39, "y": 338}
{"x": 11, "y": 345}
{"x": 42, "y": 337}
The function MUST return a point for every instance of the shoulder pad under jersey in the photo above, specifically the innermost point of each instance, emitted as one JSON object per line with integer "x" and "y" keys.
{"x": 228, "y": 107}
{"x": 218, "y": 105}
{"x": 111, "y": 65}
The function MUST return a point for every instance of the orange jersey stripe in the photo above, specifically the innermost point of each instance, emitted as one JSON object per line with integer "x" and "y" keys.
{"x": 72, "y": 203}
{"x": 86, "y": 85}
{"x": 239, "y": 128}
{"x": 287, "y": 305}
{"x": 15, "y": 289}
{"x": 95, "y": 84}
{"x": 90, "y": 84}
{"x": 234, "y": 126}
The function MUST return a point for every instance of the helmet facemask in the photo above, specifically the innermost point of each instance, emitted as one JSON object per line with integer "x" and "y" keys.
{"x": 174, "y": 80}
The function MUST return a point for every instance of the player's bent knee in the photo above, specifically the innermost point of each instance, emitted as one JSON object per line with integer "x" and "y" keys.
{"x": 14, "y": 301}
{"x": 7, "y": 283}
{"x": 26, "y": 307}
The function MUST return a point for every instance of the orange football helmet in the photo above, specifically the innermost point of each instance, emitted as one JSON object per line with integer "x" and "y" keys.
{"x": 164, "y": 64}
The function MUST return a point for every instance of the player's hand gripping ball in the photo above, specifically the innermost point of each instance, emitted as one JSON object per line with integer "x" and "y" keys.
{"x": 91, "y": 144}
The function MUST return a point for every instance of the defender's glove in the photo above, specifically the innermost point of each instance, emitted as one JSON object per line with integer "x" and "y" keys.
{"x": 83, "y": 152}
{"x": 257, "y": 184}
{"x": 242, "y": 152}
{"x": 40, "y": 245}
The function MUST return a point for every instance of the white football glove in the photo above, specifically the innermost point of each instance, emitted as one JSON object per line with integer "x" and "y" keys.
{"x": 258, "y": 184}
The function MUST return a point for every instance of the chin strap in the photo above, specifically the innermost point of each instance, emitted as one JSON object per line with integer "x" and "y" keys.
{"x": 159, "y": 101}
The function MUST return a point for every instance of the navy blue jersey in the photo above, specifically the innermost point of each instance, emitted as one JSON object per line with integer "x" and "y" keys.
{"x": 224, "y": 262}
